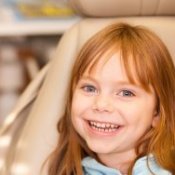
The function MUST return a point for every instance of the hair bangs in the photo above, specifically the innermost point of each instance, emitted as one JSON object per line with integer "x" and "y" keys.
{"x": 93, "y": 54}
{"x": 136, "y": 62}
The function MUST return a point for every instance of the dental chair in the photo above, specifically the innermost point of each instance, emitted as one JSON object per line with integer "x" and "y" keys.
{"x": 28, "y": 134}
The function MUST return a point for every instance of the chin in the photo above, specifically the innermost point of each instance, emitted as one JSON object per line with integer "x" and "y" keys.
{"x": 100, "y": 149}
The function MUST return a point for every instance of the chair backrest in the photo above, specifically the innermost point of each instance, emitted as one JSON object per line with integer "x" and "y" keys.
{"x": 32, "y": 124}
{"x": 116, "y": 8}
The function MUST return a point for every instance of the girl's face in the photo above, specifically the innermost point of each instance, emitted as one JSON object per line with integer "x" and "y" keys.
{"x": 109, "y": 112}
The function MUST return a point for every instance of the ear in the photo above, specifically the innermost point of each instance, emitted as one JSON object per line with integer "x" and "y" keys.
{"x": 156, "y": 119}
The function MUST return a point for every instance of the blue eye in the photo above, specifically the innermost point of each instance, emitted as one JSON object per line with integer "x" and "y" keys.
{"x": 126, "y": 93}
{"x": 89, "y": 88}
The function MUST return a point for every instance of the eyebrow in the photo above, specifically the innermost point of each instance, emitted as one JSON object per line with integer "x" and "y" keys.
{"x": 121, "y": 83}
{"x": 88, "y": 78}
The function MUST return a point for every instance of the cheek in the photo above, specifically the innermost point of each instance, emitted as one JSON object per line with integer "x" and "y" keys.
{"x": 138, "y": 113}
{"x": 80, "y": 103}
{"x": 79, "y": 106}
{"x": 74, "y": 108}
{"x": 77, "y": 113}
{"x": 76, "y": 101}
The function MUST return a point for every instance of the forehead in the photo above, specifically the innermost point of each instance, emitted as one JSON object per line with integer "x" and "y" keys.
{"x": 108, "y": 71}
{"x": 110, "y": 63}
{"x": 107, "y": 62}
{"x": 114, "y": 61}
{"x": 101, "y": 59}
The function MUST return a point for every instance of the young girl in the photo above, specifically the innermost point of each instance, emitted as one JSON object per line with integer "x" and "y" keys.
{"x": 120, "y": 114}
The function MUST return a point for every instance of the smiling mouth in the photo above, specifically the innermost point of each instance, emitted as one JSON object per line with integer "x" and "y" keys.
{"x": 104, "y": 126}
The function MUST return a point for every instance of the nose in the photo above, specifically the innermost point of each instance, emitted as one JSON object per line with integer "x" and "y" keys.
{"x": 103, "y": 103}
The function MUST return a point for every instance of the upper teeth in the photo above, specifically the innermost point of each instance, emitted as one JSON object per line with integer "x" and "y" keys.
{"x": 103, "y": 125}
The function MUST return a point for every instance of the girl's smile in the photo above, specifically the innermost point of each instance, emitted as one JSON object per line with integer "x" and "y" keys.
{"x": 103, "y": 128}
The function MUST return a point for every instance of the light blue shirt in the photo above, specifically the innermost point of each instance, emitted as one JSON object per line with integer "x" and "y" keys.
{"x": 92, "y": 167}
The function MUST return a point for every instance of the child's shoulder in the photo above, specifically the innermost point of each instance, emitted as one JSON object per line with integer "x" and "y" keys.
{"x": 143, "y": 167}
{"x": 91, "y": 166}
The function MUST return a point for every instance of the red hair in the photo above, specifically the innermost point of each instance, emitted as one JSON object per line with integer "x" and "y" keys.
{"x": 142, "y": 50}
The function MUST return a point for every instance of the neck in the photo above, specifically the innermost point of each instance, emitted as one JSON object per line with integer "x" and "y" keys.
{"x": 120, "y": 161}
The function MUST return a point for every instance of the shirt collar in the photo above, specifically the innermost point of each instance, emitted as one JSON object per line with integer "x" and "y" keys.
{"x": 91, "y": 167}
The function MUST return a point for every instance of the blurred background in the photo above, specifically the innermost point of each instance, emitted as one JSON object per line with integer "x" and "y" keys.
{"x": 29, "y": 33}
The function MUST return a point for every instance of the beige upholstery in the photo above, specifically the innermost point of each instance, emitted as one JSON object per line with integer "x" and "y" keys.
{"x": 43, "y": 102}
{"x": 113, "y": 8}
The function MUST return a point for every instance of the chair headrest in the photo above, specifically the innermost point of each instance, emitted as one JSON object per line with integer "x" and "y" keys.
{"x": 114, "y": 8}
